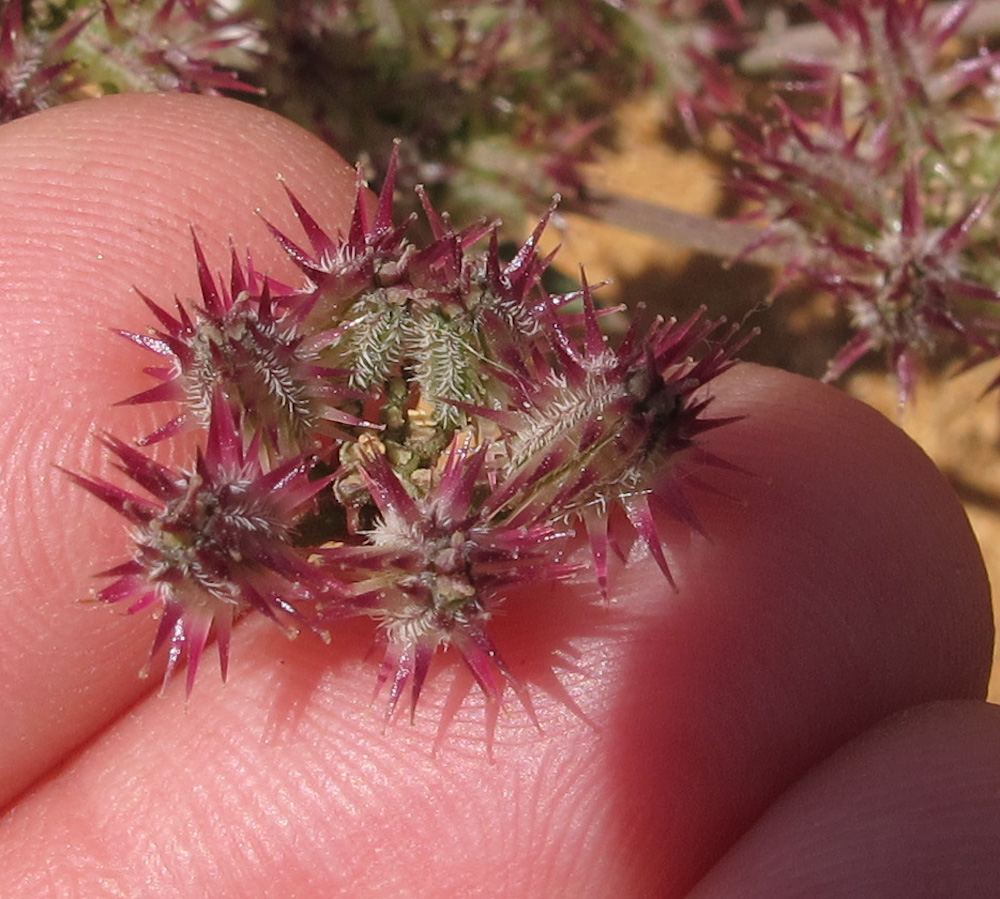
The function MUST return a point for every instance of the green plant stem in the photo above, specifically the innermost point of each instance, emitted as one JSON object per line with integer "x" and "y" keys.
{"x": 700, "y": 233}
{"x": 778, "y": 44}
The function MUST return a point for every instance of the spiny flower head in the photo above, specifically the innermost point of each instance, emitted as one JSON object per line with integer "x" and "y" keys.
{"x": 876, "y": 179}
{"x": 905, "y": 292}
{"x": 432, "y": 311}
{"x": 502, "y": 104}
{"x": 894, "y": 53}
{"x": 492, "y": 97}
{"x": 683, "y": 41}
{"x": 252, "y": 348}
{"x": 34, "y": 72}
{"x": 181, "y": 45}
{"x": 434, "y": 568}
{"x": 68, "y": 49}
{"x": 211, "y": 543}
{"x": 371, "y": 252}
{"x": 593, "y": 427}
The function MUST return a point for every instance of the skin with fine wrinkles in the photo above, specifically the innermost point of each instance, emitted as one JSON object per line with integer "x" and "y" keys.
{"x": 89, "y": 217}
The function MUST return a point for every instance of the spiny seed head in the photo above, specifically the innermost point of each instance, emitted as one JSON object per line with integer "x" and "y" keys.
{"x": 211, "y": 543}
{"x": 434, "y": 568}
{"x": 253, "y": 349}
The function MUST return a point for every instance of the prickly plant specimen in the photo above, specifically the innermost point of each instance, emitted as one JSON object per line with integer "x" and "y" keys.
{"x": 212, "y": 542}
{"x": 405, "y": 436}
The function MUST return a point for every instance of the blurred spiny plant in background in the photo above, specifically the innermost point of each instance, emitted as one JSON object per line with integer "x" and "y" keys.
{"x": 416, "y": 426}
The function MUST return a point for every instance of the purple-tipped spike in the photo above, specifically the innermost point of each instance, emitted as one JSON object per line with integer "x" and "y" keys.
{"x": 641, "y": 517}
{"x": 383, "y": 210}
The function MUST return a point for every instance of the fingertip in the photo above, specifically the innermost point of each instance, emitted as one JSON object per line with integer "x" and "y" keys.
{"x": 865, "y": 511}
{"x": 123, "y": 179}
{"x": 100, "y": 199}
{"x": 840, "y": 582}
{"x": 911, "y": 808}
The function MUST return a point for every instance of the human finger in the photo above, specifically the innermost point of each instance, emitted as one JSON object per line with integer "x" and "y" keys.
{"x": 99, "y": 199}
{"x": 910, "y": 809}
{"x": 839, "y": 583}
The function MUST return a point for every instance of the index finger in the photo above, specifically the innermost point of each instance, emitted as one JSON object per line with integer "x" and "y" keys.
{"x": 99, "y": 199}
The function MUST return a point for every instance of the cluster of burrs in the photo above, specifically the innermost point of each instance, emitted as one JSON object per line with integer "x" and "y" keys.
{"x": 405, "y": 436}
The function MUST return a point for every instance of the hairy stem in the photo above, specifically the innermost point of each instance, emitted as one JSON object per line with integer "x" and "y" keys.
{"x": 779, "y": 44}
{"x": 700, "y": 233}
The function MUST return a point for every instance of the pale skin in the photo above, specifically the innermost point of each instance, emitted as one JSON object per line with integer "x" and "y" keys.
{"x": 735, "y": 738}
